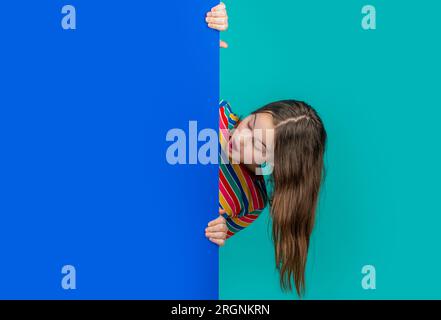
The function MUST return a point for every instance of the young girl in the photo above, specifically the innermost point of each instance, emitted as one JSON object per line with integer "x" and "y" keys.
{"x": 293, "y": 141}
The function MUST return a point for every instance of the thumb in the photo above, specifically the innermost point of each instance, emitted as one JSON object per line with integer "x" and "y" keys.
{"x": 223, "y": 44}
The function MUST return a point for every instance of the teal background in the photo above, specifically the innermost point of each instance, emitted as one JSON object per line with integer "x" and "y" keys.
{"x": 378, "y": 92}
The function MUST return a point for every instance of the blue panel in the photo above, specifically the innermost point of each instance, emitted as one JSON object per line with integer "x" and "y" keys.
{"x": 84, "y": 179}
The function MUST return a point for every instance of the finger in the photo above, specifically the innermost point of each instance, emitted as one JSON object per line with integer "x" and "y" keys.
{"x": 218, "y": 220}
{"x": 216, "y": 235}
{"x": 219, "y": 7}
{"x": 217, "y": 227}
{"x": 221, "y": 13}
{"x": 212, "y": 223}
{"x": 216, "y": 20}
{"x": 215, "y": 221}
{"x": 223, "y": 44}
{"x": 219, "y": 242}
{"x": 220, "y": 27}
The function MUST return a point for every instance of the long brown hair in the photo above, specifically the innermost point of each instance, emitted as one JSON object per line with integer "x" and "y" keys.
{"x": 298, "y": 171}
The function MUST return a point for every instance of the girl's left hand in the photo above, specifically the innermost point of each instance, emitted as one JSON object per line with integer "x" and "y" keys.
{"x": 217, "y": 19}
{"x": 217, "y": 229}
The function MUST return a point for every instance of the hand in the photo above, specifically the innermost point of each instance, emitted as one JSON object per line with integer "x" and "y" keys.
{"x": 217, "y": 230}
{"x": 217, "y": 19}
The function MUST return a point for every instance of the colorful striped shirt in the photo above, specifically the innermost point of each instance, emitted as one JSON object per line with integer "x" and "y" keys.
{"x": 242, "y": 194}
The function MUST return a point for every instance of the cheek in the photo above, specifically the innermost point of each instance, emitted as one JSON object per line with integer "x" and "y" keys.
{"x": 259, "y": 156}
{"x": 247, "y": 145}
{"x": 242, "y": 149}
{"x": 241, "y": 140}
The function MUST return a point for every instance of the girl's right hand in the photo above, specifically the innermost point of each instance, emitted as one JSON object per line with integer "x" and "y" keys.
{"x": 217, "y": 229}
{"x": 217, "y": 19}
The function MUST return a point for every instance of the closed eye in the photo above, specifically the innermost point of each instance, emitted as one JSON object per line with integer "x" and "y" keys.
{"x": 249, "y": 124}
{"x": 251, "y": 128}
{"x": 260, "y": 145}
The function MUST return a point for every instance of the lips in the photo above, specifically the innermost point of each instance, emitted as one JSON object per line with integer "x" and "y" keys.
{"x": 230, "y": 145}
{"x": 233, "y": 144}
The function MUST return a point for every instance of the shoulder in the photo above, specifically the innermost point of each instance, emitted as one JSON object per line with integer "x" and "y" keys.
{"x": 225, "y": 111}
{"x": 225, "y": 107}
{"x": 224, "y": 104}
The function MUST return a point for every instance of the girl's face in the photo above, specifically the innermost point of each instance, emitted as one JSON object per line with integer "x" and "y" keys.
{"x": 253, "y": 139}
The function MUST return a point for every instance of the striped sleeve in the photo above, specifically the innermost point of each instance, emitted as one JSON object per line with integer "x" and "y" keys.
{"x": 242, "y": 196}
{"x": 227, "y": 114}
{"x": 235, "y": 224}
{"x": 256, "y": 206}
